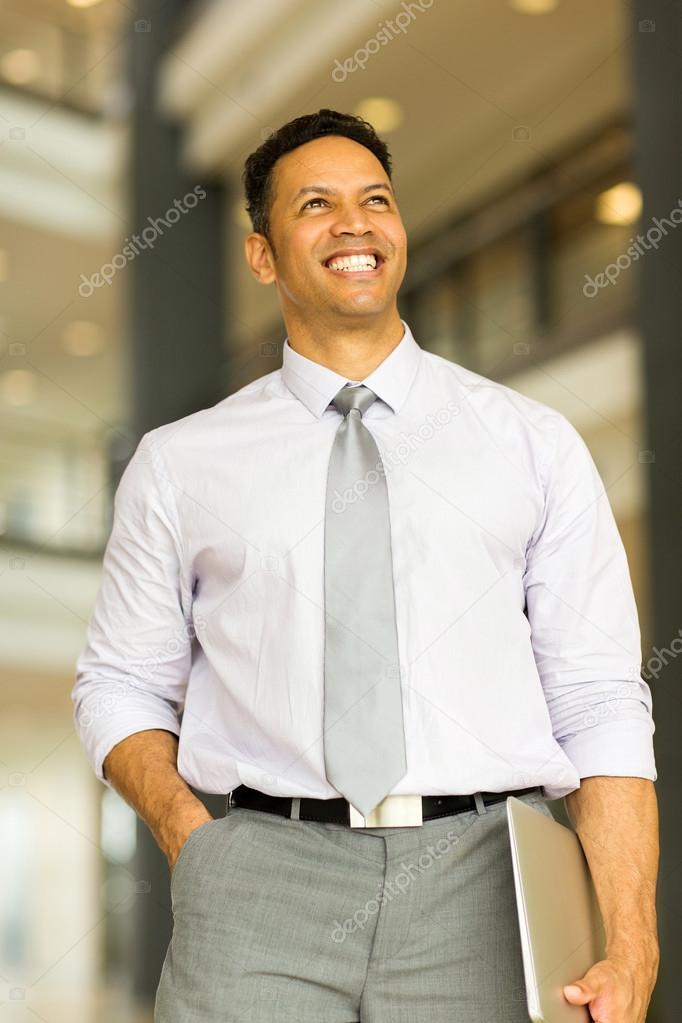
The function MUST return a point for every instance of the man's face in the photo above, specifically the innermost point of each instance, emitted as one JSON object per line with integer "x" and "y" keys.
{"x": 332, "y": 197}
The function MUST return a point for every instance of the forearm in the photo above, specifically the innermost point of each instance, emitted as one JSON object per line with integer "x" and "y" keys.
{"x": 143, "y": 770}
{"x": 616, "y": 820}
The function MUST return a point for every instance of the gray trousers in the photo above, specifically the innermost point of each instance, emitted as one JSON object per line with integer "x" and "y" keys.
{"x": 287, "y": 921}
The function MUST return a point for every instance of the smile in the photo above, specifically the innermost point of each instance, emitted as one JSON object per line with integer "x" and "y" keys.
{"x": 364, "y": 264}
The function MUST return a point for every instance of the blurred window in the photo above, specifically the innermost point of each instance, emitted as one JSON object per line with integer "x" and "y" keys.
{"x": 54, "y": 488}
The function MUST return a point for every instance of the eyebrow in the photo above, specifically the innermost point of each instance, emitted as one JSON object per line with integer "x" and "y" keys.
{"x": 323, "y": 190}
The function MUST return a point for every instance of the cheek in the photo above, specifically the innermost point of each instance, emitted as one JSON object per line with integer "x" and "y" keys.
{"x": 299, "y": 254}
{"x": 294, "y": 262}
{"x": 398, "y": 238}
{"x": 400, "y": 252}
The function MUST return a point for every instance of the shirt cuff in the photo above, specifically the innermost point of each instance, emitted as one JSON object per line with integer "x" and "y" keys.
{"x": 618, "y": 748}
{"x": 99, "y": 733}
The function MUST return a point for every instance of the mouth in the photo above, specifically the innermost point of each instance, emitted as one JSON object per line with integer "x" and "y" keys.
{"x": 364, "y": 264}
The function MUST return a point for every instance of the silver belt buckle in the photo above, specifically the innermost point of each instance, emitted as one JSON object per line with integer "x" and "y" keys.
{"x": 391, "y": 812}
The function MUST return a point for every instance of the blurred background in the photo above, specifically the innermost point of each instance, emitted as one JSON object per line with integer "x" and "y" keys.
{"x": 537, "y": 147}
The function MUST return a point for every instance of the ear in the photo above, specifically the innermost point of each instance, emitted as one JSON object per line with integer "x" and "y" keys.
{"x": 259, "y": 257}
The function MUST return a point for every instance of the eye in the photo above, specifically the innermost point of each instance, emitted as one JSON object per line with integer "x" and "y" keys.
{"x": 383, "y": 199}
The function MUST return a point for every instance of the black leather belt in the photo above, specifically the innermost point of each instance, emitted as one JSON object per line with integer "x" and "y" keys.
{"x": 337, "y": 811}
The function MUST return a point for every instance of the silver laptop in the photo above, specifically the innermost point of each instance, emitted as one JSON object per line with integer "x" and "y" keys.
{"x": 562, "y": 932}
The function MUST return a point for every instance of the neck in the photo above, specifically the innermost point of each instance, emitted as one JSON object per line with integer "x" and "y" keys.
{"x": 351, "y": 352}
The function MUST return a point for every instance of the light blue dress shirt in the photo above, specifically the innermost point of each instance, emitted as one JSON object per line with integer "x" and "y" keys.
{"x": 517, "y": 626}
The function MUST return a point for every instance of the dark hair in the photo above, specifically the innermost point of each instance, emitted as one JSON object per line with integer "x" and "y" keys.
{"x": 258, "y": 177}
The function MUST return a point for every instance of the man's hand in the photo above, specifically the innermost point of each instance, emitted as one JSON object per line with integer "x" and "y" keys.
{"x": 177, "y": 835}
{"x": 143, "y": 770}
{"x": 616, "y": 990}
{"x": 616, "y": 819}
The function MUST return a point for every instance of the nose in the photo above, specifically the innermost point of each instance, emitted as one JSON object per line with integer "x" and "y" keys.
{"x": 351, "y": 219}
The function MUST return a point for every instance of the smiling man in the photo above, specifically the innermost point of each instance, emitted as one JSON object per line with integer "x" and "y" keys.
{"x": 368, "y": 596}
{"x": 337, "y": 282}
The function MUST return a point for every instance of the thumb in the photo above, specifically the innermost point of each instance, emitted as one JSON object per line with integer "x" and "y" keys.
{"x": 578, "y": 993}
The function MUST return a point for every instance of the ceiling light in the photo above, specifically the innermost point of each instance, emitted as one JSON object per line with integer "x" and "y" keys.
{"x": 385, "y": 115}
{"x": 18, "y": 387}
{"x": 621, "y": 204}
{"x": 534, "y": 6}
{"x": 83, "y": 3}
{"x": 20, "y": 66}
{"x": 83, "y": 338}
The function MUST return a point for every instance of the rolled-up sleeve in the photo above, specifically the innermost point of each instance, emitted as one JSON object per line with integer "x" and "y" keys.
{"x": 583, "y": 618}
{"x": 132, "y": 671}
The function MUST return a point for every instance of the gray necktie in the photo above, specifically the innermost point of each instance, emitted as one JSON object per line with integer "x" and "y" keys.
{"x": 364, "y": 739}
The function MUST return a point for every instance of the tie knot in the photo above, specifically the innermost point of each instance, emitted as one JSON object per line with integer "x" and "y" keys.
{"x": 359, "y": 397}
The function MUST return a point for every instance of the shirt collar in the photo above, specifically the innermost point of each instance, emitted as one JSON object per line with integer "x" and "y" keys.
{"x": 315, "y": 385}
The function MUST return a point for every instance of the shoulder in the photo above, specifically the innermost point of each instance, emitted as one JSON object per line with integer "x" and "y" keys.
{"x": 207, "y": 424}
{"x": 500, "y": 408}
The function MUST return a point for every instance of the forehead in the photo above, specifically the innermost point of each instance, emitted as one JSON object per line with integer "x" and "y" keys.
{"x": 333, "y": 160}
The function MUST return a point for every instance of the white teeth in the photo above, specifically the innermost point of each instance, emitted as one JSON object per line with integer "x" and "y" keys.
{"x": 353, "y": 264}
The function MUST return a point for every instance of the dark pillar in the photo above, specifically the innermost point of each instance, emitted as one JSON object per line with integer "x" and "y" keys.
{"x": 176, "y": 352}
{"x": 657, "y": 35}
{"x": 176, "y": 285}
